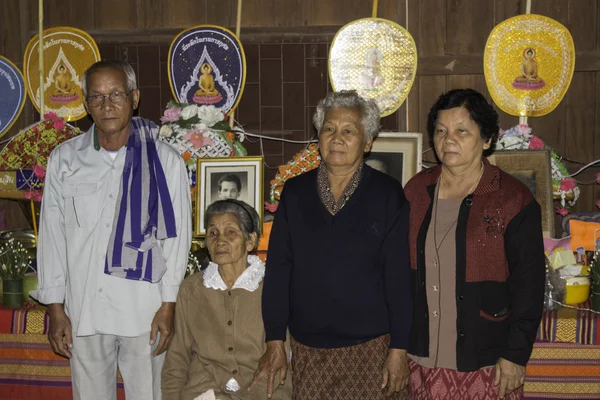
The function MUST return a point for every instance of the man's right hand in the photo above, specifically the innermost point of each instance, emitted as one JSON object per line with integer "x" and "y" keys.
{"x": 273, "y": 361}
{"x": 60, "y": 334}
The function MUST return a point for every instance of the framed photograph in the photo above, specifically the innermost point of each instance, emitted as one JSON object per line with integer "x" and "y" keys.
{"x": 221, "y": 178}
{"x": 533, "y": 168}
{"x": 398, "y": 154}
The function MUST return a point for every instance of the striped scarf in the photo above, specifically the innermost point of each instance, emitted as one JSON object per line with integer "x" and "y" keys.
{"x": 144, "y": 212}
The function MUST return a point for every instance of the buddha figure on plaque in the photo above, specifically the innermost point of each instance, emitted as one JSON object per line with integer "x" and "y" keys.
{"x": 65, "y": 90}
{"x": 207, "y": 92}
{"x": 371, "y": 75}
{"x": 529, "y": 79}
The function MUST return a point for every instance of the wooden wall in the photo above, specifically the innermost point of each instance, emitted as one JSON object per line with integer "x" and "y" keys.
{"x": 278, "y": 35}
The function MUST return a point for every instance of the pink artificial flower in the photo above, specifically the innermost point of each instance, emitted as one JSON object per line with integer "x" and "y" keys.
{"x": 51, "y": 116}
{"x": 598, "y": 178}
{"x": 35, "y": 196}
{"x": 271, "y": 207}
{"x": 562, "y": 211}
{"x": 171, "y": 115}
{"x": 598, "y": 204}
{"x": 567, "y": 184}
{"x": 59, "y": 124}
{"x": 197, "y": 139}
{"x": 536, "y": 143}
{"x": 39, "y": 171}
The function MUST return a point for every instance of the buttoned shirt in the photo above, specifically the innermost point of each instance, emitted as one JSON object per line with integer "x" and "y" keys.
{"x": 78, "y": 209}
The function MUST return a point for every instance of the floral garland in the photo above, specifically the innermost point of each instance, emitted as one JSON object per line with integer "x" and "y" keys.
{"x": 200, "y": 131}
{"x": 302, "y": 162}
{"x": 564, "y": 189}
{"x": 30, "y": 149}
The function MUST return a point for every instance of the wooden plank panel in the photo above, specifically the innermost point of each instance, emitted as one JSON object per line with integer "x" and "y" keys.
{"x": 116, "y": 14}
{"x": 355, "y": 9}
{"x": 430, "y": 26}
{"x": 430, "y": 88}
{"x": 469, "y": 24}
{"x": 412, "y": 102}
{"x": 56, "y": 13}
{"x": 223, "y": 13}
{"x": 504, "y": 9}
{"x": 319, "y": 12}
{"x": 188, "y": 13}
{"x": 580, "y": 117}
{"x": 150, "y": 14}
{"x": 476, "y": 82}
{"x": 556, "y": 9}
{"x": 81, "y": 15}
{"x": 394, "y": 10}
{"x": 583, "y": 22}
{"x": 552, "y": 128}
{"x": 11, "y": 25}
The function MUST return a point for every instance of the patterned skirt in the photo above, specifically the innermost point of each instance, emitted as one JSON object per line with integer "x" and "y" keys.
{"x": 448, "y": 384}
{"x": 346, "y": 373}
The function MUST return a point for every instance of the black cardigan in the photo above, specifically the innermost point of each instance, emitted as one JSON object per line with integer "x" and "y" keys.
{"x": 499, "y": 269}
{"x": 340, "y": 280}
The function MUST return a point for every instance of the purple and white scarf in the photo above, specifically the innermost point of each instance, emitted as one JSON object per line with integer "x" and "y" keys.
{"x": 144, "y": 212}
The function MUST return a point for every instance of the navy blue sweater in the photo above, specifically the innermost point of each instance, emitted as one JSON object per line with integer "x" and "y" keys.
{"x": 340, "y": 280}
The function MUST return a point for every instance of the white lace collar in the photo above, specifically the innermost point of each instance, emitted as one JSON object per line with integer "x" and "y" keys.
{"x": 248, "y": 280}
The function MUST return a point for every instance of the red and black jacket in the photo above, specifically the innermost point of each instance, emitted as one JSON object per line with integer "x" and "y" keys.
{"x": 499, "y": 268}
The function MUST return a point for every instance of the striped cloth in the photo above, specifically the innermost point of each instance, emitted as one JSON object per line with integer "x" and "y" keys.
{"x": 567, "y": 325}
{"x": 29, "y": 369}
{"x": 144, "y": 212}
{"x": 563, "y": 371}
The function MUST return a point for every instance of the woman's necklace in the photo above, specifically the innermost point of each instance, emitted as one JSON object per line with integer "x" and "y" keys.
{"x": 438, "y": 245}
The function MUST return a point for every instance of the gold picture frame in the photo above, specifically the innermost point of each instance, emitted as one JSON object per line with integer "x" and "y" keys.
{"x": 248, "y": 170}
{"x": 398, "y": 154}
{"x": 533, "y": 168}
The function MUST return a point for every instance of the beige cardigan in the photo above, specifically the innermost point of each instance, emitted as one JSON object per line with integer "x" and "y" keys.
{"x": 219, "y": 334}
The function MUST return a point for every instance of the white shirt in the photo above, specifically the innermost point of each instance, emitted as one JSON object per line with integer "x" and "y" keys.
{"x": 78, "y": 209}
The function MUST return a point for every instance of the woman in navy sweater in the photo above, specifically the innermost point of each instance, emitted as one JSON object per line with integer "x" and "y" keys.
{"x": 338, "y": 273}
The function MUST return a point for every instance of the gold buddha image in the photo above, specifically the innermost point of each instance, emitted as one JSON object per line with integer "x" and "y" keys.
{"x": 207, "y": 92}
{"x": 65, "y": 90}
{"x": 529, "y": 79}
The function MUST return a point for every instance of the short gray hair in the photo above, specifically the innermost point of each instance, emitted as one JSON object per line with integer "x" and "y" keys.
{"x": 248, "y": 217}
{"x": 351, "y": 100}
{"x": 110, "y": 64}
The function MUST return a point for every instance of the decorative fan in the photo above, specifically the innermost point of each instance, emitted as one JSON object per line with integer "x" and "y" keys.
{"x": 528, "y": 64}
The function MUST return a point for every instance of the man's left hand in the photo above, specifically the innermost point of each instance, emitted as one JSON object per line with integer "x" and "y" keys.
{"x": 509, "y": 377}
{"x": 395, "y": 371}
{"x": 164, "y": 323}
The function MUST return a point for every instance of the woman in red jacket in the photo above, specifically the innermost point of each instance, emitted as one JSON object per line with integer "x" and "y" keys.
{"x": 477, "y": 252}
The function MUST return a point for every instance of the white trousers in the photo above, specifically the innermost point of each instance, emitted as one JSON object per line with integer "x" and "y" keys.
{"x": 94, "y": 367}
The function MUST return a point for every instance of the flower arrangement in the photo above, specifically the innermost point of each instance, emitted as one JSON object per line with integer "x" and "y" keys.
{"x": 30, "y": 149}
{"x": 302, "y": 162}
{"x": 14, "y": 260}
{"x": 200, "y": 131}
{"x": 564, "y": 189}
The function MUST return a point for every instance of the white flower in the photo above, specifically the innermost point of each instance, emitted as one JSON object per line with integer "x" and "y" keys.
{"x": 210, "y": 115}
{"x": 189, "y": 111}
{"x": 165, "y": 131}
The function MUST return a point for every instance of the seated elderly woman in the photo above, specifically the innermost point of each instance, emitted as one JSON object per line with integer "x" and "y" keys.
{"x": 338, "y": 270}
{"x": 219, "y": 334}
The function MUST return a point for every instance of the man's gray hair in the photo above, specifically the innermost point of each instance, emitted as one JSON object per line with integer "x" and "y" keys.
{"x": 110, "y": 64}
{"x": 351, "y": 100}
{"x": 248, "y": 217}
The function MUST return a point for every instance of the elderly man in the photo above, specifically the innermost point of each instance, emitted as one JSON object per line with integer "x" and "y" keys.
{"x": 115, "y": 233}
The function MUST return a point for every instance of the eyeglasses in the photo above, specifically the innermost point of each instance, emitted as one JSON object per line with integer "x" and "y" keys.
{"x": 117, "y": 98}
